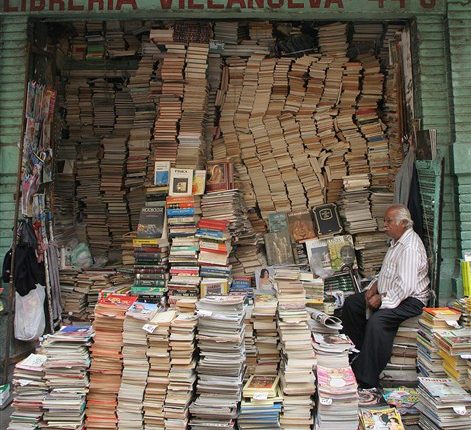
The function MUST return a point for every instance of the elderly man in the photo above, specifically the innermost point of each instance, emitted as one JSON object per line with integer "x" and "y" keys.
{"x": 400, "y": 292}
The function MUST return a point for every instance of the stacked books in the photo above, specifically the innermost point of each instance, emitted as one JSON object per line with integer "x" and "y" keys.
{"x": 107, "y": 362}
{"x": 29, "y": 388}
{"x": 332, "y": 349}
{"x": 455, "y": 350}
{"x": 262, "y": 403}
{"x": 74, "y": 297}
{"x": 65, "y": 373}
{"x": 338, "y": 398}
{"x": 371, "y": 249}
{"x": 158, "y": 353}
{"x": 432, "y": 321}
{"x": 183, "y": 214}
{"x": 182, "y": 375}
{"x": 151, "y": 255}
{"x": 249, "y": 340}
{"x": 135, "y": 364}
{"x": 213, "y": 259}
{"x": 443, "y": 404}
{"x": 296, "y": 372}
{"x": 266, "y": 333}
{"x": 222, "y": 362}
{"x": 401, "y": 369}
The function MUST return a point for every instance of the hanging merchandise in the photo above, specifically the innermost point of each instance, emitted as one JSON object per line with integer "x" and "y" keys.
{"x": 30, "y": 319}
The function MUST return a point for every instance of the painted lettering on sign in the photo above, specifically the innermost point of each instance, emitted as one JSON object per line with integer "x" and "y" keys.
{"x": 35, "y": 6}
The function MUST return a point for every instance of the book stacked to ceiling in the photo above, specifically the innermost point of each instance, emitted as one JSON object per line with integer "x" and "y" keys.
{"x": 182, "y": 375}
{"x": 158, "y": 353}
{"x": 222, "y": 362}
{"x": 297, "y": 379}
{"x": 213, "y": 259}
{"x": 249, "y": 337}
{"x": 266, "y": 333}
{"x": 262, "y": 403}
{"x": 443, "y": 404}
{"x": 65, "y": 373}
{"x": 230, "y": 32}
{"x": 135, "y": 365}
{"x": 190, "y": 136}
{"x": 29, "y": 388}
{"x": 432, "y": 320}
{"x": 95, "y": 40}
{"x": 401, "y": 369}
{"x": 371, "y": 249}
{"x": 151, "y": 255}
{"x": 127, "y": 249}
{"x": 338, "y": 398}
{"x": 107, "y": 362}
{"x": 78, "y": 45}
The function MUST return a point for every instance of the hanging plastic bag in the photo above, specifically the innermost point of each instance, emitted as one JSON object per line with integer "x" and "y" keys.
{"x": 30, "y": 320}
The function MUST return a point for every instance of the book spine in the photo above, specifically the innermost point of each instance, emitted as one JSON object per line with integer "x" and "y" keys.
{"x": 180, "y": 212}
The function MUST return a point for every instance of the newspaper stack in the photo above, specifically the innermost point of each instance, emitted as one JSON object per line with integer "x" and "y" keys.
{"x": 222, "y": 362}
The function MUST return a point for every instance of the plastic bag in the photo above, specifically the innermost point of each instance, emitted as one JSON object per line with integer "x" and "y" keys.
{"x": 81, "y": 257}
{"x": 30, "y": 320}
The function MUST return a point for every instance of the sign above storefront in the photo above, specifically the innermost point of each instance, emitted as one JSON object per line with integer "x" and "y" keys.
{"x": 269, "y": 9}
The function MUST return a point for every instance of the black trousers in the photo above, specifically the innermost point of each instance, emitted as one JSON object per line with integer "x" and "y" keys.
{"x": 374, "y": 337}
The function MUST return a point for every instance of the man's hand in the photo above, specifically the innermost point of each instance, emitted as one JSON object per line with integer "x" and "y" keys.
{"x": 374, "y": 302}
{"x": 373, "y": 290}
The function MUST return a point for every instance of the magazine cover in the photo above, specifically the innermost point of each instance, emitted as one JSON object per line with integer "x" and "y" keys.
{"x": 319, "y": 257}
{"x": 161, "y": 173}
{"x": 151, "y": 222}
{"x": 264, "y": 279}
{"x": 220, "y": 176}
{"x": 199, "y": 182}
{"x": 341, "y": 252}
{"x": 381, "y": 419}
{"x": 181, "y": 182}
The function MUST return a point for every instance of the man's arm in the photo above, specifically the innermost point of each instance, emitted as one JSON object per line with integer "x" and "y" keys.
{"x": 373, "y": 290}
{"x": 406, "y": 279}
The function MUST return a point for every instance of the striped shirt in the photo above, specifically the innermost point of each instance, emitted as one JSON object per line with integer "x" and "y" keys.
{"x": 404, "y": 272}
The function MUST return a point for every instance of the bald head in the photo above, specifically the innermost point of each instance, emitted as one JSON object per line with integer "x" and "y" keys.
{"x": 397, "y": 220}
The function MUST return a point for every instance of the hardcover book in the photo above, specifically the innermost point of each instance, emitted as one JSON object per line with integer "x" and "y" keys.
{"x": 151, "y": 222}
{"x": 181, "y": 182}
{"x": 161, "y": 173}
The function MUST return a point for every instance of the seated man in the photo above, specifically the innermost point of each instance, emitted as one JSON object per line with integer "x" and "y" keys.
{"x": 400, "y": 292}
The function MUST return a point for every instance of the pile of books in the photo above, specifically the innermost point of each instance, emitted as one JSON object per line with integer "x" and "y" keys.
{"x": 266, "y": 333}
{"x": 74, "y": 297}
{"x": 213, "y": 259}
{"x": 262, "y": 403}
{"x": 65, "y": 373}
{"x": 371, "y": 249}
{"x": 443, "y": 404}
{"x": 182, "y": 375}
{"x": 332, "y": 350}
{"x": 401, "y": 369}
{"x": 29, "y": 388}
{"x": 151, "y": 255}
{"x": 297, "y": 379}
{"x": 135, "y": 364}
{"x": 222, "y": 362}
{"x": 338, "y": 398}
{"x": 432, "y": 321}
{"x": 158, "y": 338}
{"x": 183, "y": 214}
{"x": 107, "y": 361}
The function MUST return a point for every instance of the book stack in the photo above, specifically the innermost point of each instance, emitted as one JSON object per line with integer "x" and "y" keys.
{"x": 371, "y": 249}
{"x": 161, "y": 36}
{"x": 262, "y": 403}
{"x": 93, "y": 282}
{"x": 230, "y": 32}
{"x": 192, "y": 31}
{"x": 195, "y": 98}
{"x": 78, "y": 45}
{"x": 112, "y": 168}
{"x": 107, "y": 362}
{"x": 127, "y": 249}
{"x": 74, "y": 297}
{"x": 297, "y": 379}
{"x": 65, "y": 373}
{"x": 314, "y": 288}
{"x": 429, "y": 361}
{"x": 443, "y": 404}
{"x": 136, "y": 196}
{"x": 367, "y": 36}
{"x": 338, "y": 398}
{"x": 455, "y": 350}
{"x": 222, "y": 362}
{"x": 401, "y": 369}
{"x": 332, "y": 349}
{"x": 114, "y": 40}
{"x": 158, "y": 338}
{"x": 103, "y": 107}
{"x": 261, "y": 31}
{"x": 370, "y": 124}
{"x": 182, "y": 374}
{"x": 265, "y": 331}
{"x": 249, "y": 338}
{"x": 183, "y": 214}
{"x": 405, "y": 400}
{"x": 464, "y": 304}
{"x": 88, "y": 193}
{"x": 95, "y": 40}
{"x": 135, "y": 365}
{"x": 213, "y": 259}
{"x": 29, "y": 389}
{"x": 333, "y": 39}
{"x": 380, "y": 202}
{"x": 355, "y": 205}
